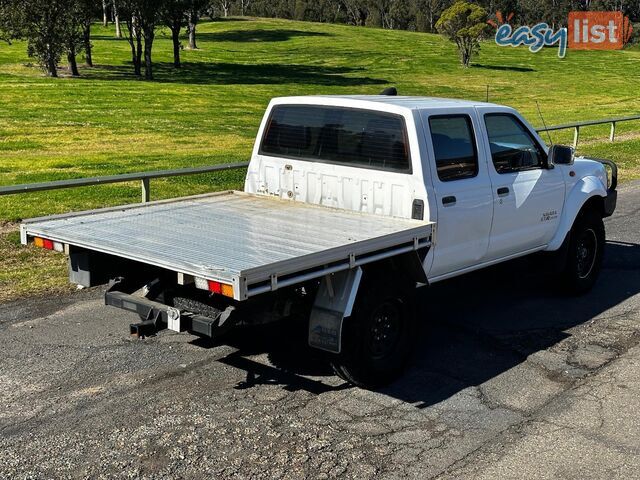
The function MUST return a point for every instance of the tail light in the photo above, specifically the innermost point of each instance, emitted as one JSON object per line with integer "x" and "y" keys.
{"x": 214, "y": 286}
{"x": 48, "y": 244}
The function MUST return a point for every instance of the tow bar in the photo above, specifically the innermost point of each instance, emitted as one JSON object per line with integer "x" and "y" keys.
{"x": 159, "y": 316}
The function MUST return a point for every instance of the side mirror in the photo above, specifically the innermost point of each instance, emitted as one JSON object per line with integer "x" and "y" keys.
{"x": 560, "y": 155}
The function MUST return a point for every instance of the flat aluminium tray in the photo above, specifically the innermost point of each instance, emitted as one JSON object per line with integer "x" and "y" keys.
{"x": 255, "y": 242}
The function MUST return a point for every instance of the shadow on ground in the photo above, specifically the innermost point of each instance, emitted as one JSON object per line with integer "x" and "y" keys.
{"x": 503, "y": 68}
{"x": 475, "y": 327}
{"x": 240, "y": 74}
{"x": 258, "y": 35}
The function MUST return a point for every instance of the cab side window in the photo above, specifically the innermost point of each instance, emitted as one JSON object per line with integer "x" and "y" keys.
{"x": 454, "y": 146}
{"x": 513, "y": 148}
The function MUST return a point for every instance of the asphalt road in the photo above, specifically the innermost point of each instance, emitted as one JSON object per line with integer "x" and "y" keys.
{"x": 511, "y": 380}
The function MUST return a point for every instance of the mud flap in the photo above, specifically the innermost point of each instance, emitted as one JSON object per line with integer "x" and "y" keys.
{"x": 334, "y": 302}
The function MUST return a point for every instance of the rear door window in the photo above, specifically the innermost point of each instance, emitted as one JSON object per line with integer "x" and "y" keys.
{"x": 352, "y": 137}
{"x": 454, "y": 146}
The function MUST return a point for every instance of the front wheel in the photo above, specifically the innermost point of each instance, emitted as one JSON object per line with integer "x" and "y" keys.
{"x": 585, "y": 253}
{"x": 376, "y": 340}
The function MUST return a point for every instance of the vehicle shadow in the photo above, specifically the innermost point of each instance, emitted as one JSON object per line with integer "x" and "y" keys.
{"x": 202, "y": 73}
{"x": 475, "y": 327}
{"x": 487, "y": 322}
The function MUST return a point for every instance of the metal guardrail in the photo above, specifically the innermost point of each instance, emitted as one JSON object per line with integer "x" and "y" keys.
{"x": 144, "y": 178}
{"x": 588, "y": 123}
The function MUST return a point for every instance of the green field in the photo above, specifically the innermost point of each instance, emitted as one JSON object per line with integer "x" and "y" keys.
{"x": 208, "y": 112}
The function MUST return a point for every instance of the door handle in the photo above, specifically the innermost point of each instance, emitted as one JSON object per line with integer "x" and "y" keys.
{"x": 450, "y": 200}
{"x": 503, "y": 191}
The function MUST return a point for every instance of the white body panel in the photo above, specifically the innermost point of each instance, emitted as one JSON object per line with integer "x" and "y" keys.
{"x": 338, "y": 186}
{"x": 527, "y": 216}
{"x": 463, "y": 226}
{"x": 590, "y": 180}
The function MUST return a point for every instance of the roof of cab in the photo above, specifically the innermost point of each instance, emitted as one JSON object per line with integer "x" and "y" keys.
{"x": 412, "y": 103}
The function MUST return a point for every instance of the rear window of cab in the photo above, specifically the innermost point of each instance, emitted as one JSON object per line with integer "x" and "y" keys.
{"x": 343, "y": 136}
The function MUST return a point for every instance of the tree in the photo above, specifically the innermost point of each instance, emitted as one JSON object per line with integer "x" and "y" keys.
{"x": 142, "y": 17}
{"x": 357, "y": 11}
{"x": 226, "y": 6}
{"x": 116, "y": 19}
{"x": 105, "y": 13}
{"x": 174, "y": 16}
{"x": 45, "y": 24}
{"x": 148, "y": 14}
{"x": 465, "y": 24}
{"x": 74, "y": 37}
{"x": 195, "y": 9}
{"x": 133, "y": 35}
{"x": 86, "y": 11}
{"x": 431, "y": 9}
{"x": 244, "y": 6}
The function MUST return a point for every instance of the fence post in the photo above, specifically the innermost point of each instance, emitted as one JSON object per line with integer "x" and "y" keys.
{"x": 612, "y": 136}
{"x": 146, "y": 192}
{"x": 576, "y": 137}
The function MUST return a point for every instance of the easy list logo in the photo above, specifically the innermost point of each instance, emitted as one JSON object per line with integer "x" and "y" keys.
{"x": 536, "y": 37}
{"x": 587, "y": 31}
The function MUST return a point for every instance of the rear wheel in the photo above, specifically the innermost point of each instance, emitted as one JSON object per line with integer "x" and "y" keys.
{"x": 376, "y": 339}
{"x": 585, "y": 253}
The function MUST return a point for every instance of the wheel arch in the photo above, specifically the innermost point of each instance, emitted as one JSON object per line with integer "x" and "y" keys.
{"x": 586, "y": 195}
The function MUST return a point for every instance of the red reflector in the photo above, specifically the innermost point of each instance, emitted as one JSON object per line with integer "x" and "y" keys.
{"x": 215, "y": 287}
{"x": 48, "y": 244}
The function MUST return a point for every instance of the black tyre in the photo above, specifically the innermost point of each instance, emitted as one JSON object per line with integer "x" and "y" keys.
{"x": 585, "y": 253}
{"x": 377, "y": 339}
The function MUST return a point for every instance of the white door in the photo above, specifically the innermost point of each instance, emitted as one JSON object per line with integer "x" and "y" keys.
{"x": 528, "y": 196}
{"x": 462, "y": 191}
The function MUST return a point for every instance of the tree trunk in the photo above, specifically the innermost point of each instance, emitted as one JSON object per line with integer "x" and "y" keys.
{"x": 133, "y": 50}
{"x": 52, "y": 68}
{"x": 137, "y": 63}
{"x": 73, "y": 64}
{"x": 175, "y": 35}
{"x": 466, "y": 57}
{"x": 116, "y": 19}
{"x": 148, "y": 44}
{"x": 86, "y": 32}
{"x": 134, "y": 43}
{"x": 191, "y": 28}
{"x": 105, "y": 16}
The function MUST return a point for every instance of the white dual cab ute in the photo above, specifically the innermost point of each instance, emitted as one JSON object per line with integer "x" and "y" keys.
{"x": 350, "y": 203}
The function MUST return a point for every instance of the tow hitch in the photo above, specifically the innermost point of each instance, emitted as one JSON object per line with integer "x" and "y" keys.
{"x": 159, "y": 316}
{"x": 143, "y": 329}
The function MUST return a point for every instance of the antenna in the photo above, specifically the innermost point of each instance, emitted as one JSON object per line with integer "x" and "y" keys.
{"x": 544, "y": 123}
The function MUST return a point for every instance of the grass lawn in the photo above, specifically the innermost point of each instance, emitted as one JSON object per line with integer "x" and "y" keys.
{"x": 208, "y": 112}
